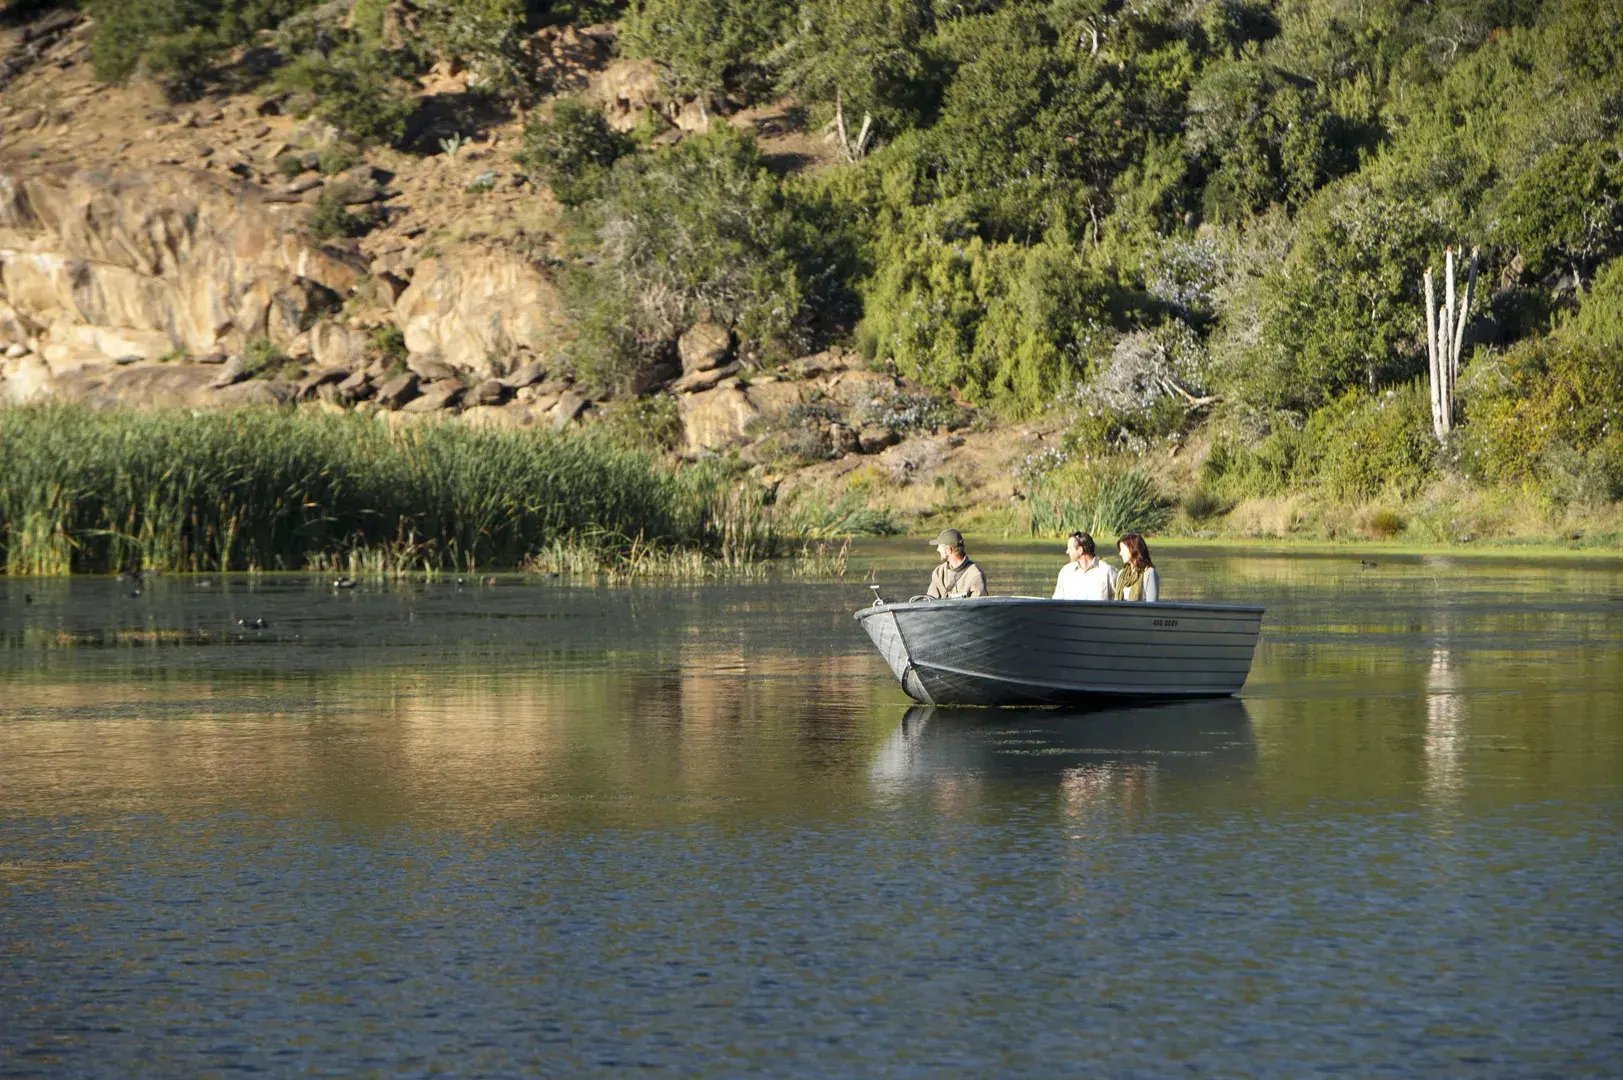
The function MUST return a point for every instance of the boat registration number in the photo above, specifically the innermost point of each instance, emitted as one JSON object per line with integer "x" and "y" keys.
{"x": 1164, "y": 622}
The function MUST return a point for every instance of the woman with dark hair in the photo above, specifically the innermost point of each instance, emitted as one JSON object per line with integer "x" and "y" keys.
{"x": 1138, "y": 579}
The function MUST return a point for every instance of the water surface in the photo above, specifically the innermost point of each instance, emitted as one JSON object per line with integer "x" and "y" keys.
{"x": 534, "y": 827}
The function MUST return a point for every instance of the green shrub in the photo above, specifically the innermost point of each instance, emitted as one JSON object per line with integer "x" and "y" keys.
{"x": 263, "y": 360}
{"x": 330, "y": 219}
{"x": 389, "y": 343}
{"x": 571, "y": 150}
{"x": 870, "y": 56}
{"x": 177, "y": 42}
{"x": 335, "y": 157}
{"x": 1552, "y": 405}
{"x": 699, "y": 231}
{"x": 356, "y": 85}
{"x": 1566, "y": 210}
{"x": 706, "y": 46}
{"x": 486, "y": 35}
{"x": 1362, "y": 445}
{"x": 1006, "y": 324}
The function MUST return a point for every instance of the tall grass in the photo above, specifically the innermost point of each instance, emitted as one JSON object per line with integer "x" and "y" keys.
{"x": 1108, "y": 504}
{"x": 260, "y": 489}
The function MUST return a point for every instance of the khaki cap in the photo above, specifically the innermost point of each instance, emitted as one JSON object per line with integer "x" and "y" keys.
{"x": 950, "y": 538}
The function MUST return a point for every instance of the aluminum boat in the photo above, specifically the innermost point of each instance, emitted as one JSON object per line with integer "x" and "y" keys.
{"x": 1018, "y": 650}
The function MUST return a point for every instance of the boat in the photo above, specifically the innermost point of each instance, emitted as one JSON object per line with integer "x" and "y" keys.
{"x": 1025, "y": 650}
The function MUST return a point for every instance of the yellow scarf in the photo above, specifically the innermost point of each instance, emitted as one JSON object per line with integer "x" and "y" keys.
{"x": 1130, "y": 583}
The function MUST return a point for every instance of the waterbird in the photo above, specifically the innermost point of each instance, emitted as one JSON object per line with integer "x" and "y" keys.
{"x": 1366, "y": 564}
{"x": 28, "y": 598}
{"x": 345, "y": 582}
{"x": 252, "y": 624}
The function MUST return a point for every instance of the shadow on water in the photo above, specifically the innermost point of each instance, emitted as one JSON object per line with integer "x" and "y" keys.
{"x": 1183, "y": 737}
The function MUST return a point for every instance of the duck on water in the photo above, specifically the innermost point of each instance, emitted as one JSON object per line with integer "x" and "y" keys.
{"x": 969, "y": 648}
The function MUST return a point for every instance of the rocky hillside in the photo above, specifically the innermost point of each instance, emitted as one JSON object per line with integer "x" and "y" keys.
{"x": 160, "y": 255}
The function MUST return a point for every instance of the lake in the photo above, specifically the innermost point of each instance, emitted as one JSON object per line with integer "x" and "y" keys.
{"x": 518, "y": 826}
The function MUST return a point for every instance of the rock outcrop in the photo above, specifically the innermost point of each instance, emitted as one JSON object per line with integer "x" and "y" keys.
{"x": 476, "y": 307}
{"x": 145, "y": 264}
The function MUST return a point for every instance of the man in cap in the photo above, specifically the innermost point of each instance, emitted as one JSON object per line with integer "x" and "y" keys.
{"x": 957, "y": 576}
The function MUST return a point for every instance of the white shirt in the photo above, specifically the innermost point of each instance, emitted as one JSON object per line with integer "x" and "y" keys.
{"x": 1093, "y": 583}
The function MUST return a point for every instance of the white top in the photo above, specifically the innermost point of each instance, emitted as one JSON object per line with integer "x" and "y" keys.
{"x": 1094, "y": 583}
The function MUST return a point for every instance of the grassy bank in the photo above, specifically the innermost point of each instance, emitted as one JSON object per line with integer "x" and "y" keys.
{"x": 98, "y": 491}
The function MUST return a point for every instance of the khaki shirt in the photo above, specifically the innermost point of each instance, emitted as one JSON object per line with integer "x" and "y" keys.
{"x": 966, "y": 580}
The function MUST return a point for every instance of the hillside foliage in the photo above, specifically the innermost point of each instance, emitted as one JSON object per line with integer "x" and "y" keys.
{"x": 1165, "y": 213}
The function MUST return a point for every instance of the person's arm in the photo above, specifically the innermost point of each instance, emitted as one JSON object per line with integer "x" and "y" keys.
{"x": 938, "y": 588}
{"x": 1152, "y": 585}
{"x": 976, "y": 585}
{"x": 1059, "y": 582}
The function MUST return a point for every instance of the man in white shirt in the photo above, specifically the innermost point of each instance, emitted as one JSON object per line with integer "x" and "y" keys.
{"x": 1085, "y": 577}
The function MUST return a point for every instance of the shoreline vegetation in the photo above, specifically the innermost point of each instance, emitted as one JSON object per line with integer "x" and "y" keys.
{"x": 255, "y": 489}
{"x": 106, "y": 491}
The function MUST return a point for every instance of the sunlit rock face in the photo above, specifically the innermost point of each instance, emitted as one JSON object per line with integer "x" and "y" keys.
{"x": 475, "y": 307}
{"x": 105, "y": 261}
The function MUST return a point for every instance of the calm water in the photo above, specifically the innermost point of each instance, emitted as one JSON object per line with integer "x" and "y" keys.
{"x": 531, "y": 828}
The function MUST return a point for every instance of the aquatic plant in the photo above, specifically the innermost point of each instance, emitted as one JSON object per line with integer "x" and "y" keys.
{"x": 82, "y": 490}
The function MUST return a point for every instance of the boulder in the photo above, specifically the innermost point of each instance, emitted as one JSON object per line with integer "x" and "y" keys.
{"x": 627, "y": 89}
{"x": 716, "y": 419}
{"x": 569, "y": 406}
{"x": 528, "y": 374}
{"x": 355, "y": 388}
{"x": 233, "y": 371}
{"x": 471, "y": 307}
{"x": 14, "y": 329}
{"x": 318, "y": 379}
{"x": 874, "y": 438}
{"x": 27, "y": 379}
{"x": 443, "y": 394}
{"x": 488, "y": 392}
{"x": 704, "y": 346}
{"x": 429, "y": 369}
{"x": 697, "y": 381}
{"x": 333, "y": 344}
{"x": 397, "y": 391}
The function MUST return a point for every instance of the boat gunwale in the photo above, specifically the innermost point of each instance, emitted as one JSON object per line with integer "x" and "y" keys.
{"x": 1126, "y": 606}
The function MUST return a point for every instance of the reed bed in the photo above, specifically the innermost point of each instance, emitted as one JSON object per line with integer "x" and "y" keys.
{"x": 264, "y": 489}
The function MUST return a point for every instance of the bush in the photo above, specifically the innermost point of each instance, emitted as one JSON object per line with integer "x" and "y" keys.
{"x": 707, "y": 46}
{"x": 330, "y": 220}
{"x": 1006, "y": 324}
{"x": 1550, "y": 406}
{"x": 389, "y": 343}
{"x": 1344, "y": 309}
{"x": 571, "y": 150}
{"x": 356, "y": 85}
{"x": 1362, "y": 445}
{"x": 177, "y": 42}
{"x": 489, "y": 37}
{"x": 701, "y": 231}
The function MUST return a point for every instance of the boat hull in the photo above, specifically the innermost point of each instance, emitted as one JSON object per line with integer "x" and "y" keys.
{"x": 1006, "y": 650}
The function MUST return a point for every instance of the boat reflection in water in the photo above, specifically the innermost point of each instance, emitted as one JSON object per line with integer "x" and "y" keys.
{"x": 1184, "y": 737}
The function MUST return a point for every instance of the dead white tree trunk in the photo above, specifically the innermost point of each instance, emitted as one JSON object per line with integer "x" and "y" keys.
{"x": 851, "y": 149}
{"x": 1445, "y": 340}
{"x": 1432, "y": 357}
